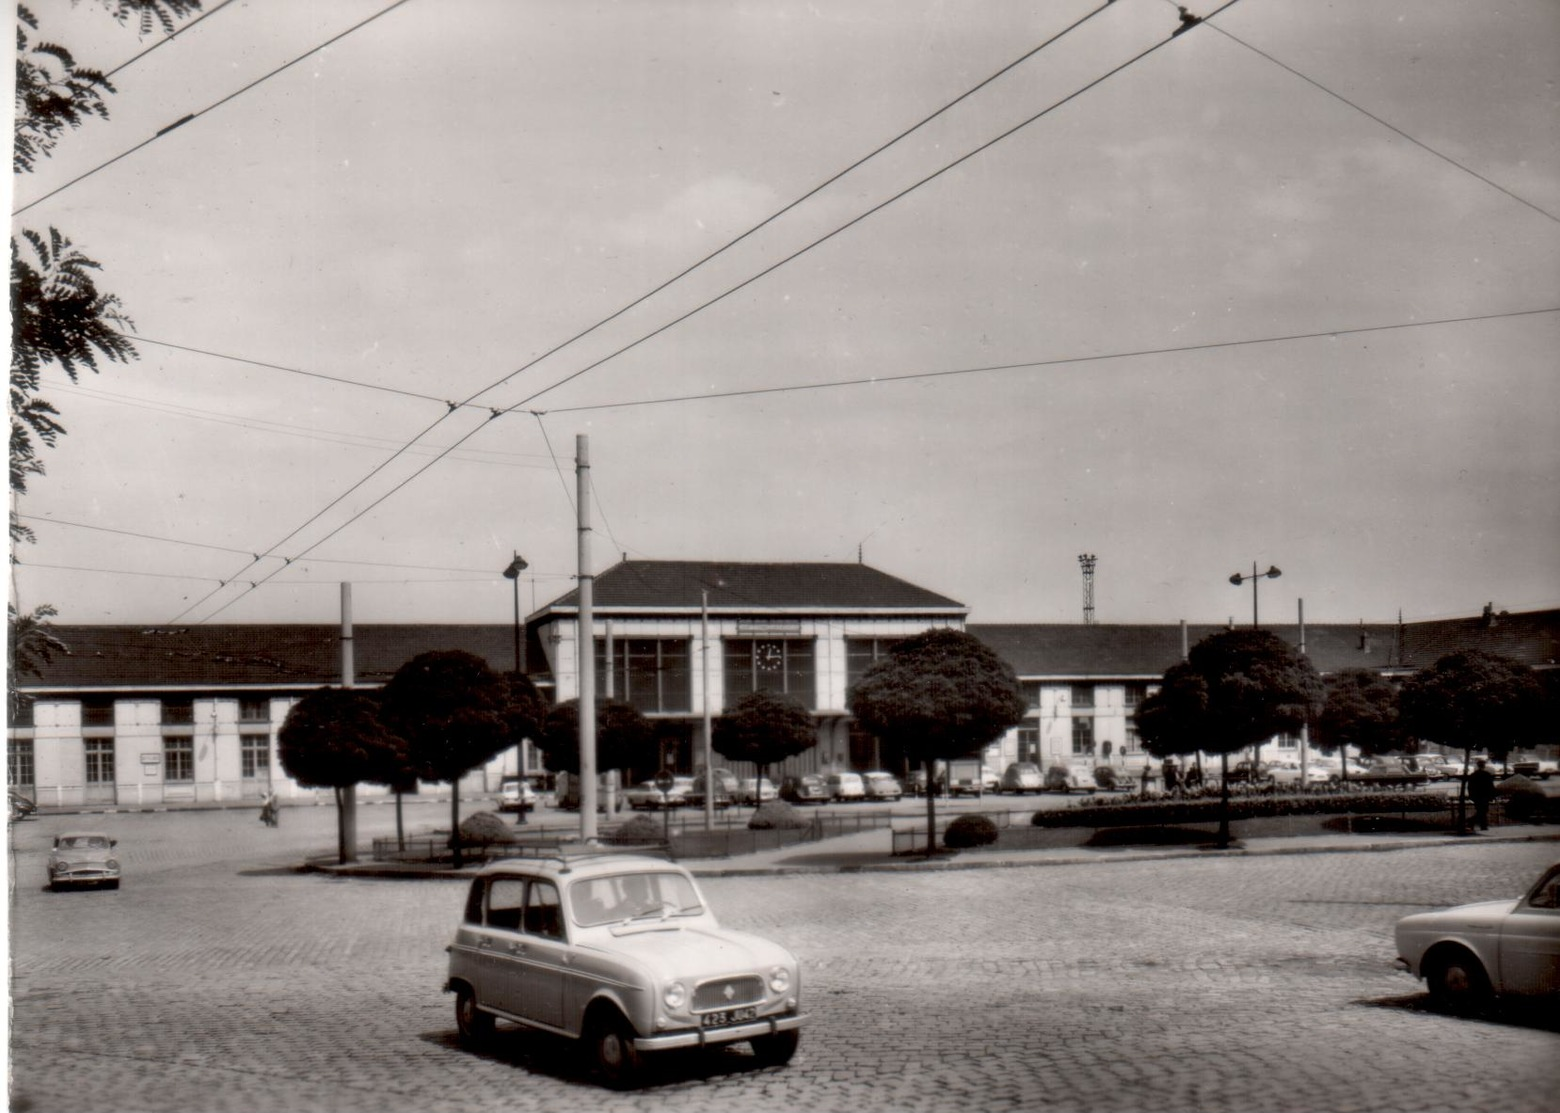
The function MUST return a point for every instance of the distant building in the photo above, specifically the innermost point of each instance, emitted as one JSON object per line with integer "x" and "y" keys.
{"x": 144, "y": 716}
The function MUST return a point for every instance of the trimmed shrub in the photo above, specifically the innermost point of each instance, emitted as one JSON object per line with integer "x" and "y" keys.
{"x": 640, "y": 829}
{"x": 1105, "y": 777}
{"x": 485, "y": 828}
{"x": 777, "y": 815}
{"x": 1206, "y": 809}
{"x": 969, "y": 831}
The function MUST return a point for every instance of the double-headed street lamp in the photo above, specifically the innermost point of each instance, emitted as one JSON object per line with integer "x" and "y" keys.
{"x": 1237, "y": 579}
{"x": 517, "y": 566}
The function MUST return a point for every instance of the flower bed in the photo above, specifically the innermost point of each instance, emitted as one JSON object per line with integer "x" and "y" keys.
{"x": 1206, "y": 809}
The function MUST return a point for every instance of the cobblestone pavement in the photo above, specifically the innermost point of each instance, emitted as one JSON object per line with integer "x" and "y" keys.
{"x": 218, "y": 979}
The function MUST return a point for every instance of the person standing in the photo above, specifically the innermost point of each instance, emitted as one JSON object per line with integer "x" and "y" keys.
{"x": 1481, "y": 790}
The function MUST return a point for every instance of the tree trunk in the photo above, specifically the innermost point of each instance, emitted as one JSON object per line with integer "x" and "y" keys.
{"x": 455, "y": 823}
{"x": 1224, "y": 801}
{"x": 349, "y": 824}
{"x": 400, "y": 830}
{"x": 341, "y": 829}
{"x": 758, "y": 787}
{"x": 931, "y": 809}
{"x": 1462, "y": 791}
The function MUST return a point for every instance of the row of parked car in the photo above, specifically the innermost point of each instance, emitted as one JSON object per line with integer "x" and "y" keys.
{"x": 804, "y": 788}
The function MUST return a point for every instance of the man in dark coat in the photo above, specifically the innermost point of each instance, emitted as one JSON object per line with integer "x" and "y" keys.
{"x": 1481, "y": 790}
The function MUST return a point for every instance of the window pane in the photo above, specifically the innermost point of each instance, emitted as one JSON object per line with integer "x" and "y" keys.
{"x": 100, "y": 760}
{"x": 19, "y": 762}
{"x": 1083, "y": 736}
{"x": 1083, "y": 695}
{"x": 178, "y": 759}
{"x": 542, "y": 914}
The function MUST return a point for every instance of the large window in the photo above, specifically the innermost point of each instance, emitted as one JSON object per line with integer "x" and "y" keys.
{"x": 254, "y": 711}
{"x": 254, "y": 755}
{"x": 19, "y": 763}
{"x": 764, "y": 665}
{"x": 178, "y": 760}
{"x": 181, "y": 713}
{"x": 862, "y": 653}
{"x": 97, "y": 713}
{"x": 100, "y": 761}
{"x": 1029, "y": 744}
{"x": 1031, "y": 690}
{"x": 651, "y": 674}
{"x": 1083, "y": 695}
{"x": 1083, "y": 736}
{"x": 1135, "y": 694}
{"x": 1134, "y": 743}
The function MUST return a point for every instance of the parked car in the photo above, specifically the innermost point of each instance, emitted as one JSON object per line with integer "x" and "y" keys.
{"x": 619, "y": 951}
{"x": 645, "y": 796}
{"x": 845, "y": 786}
{"x": 516, "y": 795}
{"x": 22, "y": 805}
{"x": 806, "y": 788}
{"x": 882, "y": 786}
{"x": 755, "y": 790}
{"x": 1287, "y": 771}
{"x": 915, "y": 783}
{"x": 1469, "y": 954}
{"x": 1065, "y": 778}
{"x": 83, "y": 858}
{"x": 1022, "y": 777}
{"x": 1250, "y": 773}
{"x": 725, "y": 781}
{"x": 725, "y": 796}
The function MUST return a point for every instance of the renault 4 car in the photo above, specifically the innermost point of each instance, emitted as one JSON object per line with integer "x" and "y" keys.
{"x": 83, "y": 858}
{"x": 622, "y": 953}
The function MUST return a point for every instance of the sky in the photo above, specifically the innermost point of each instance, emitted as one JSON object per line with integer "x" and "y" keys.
{"x": 1283, "y": 291}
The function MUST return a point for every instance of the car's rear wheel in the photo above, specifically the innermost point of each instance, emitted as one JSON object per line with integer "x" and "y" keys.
{"x": 776, "y": 1050}
{"x": 1457, "y": 982}
{"x": 474, "y": 1025}
{"x": 616, "y": 1060}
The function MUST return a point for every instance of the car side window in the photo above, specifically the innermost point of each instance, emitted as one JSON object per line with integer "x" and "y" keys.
{"x": 543, "y": 915}
{"x": 1548, "y": 896}
{"x": 506, "y": 899}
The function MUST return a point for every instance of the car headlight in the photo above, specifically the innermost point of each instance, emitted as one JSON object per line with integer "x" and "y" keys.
{"x": 780, "y": 979}
{"x": 113, "y": 864}
{"x": 61, "y": 867}
{"x": 675, "y": 995}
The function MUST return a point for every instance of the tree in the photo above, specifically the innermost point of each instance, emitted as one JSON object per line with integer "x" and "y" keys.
{"x": 58, "y": 314}
{"x": 1235, "y": 689}
{"x": 452, "y": 710}
{"x": 942, "y": 694}
{"x": 624, "y": 738}
{"x": 764, "y": 728}
{"x": 32, "y": 643}
{"x": 333, "y": 738}
{"x": 1360, "y": 710}
{"x": 1474, "y": 700}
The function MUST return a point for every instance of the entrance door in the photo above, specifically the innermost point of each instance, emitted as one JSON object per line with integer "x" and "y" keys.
{"x": 100, "y": 771}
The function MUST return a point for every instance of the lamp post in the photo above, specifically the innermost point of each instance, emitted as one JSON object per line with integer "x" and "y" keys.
{"x": 1237, "y": 579}
{"x": 512, "y": 573}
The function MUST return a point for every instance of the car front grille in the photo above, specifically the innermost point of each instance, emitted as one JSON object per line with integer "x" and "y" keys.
{"x": 726, "y": 993}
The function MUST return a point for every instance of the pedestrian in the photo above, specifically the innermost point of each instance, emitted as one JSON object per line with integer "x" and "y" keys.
{"x": 1481, "y": 790}
{"x": 1172, "y": 777}
{"x": 1194, "y": 777}
{"x": 268, "y": 814}
{"x": 1148, "y": 771}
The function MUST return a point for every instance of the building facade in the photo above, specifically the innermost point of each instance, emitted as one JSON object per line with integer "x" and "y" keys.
{"x": 145, "y": 717}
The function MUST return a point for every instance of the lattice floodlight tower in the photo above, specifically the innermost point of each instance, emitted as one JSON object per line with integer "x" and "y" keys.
{"x": 1086, "y": 560}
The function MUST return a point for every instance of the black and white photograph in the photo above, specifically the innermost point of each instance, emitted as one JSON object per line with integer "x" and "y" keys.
{"x": 842, "y": 555}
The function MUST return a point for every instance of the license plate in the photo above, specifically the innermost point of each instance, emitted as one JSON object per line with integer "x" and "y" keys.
{"x": 728, "y": 1016}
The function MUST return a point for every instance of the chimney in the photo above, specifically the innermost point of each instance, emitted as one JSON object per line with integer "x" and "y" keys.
{"x": 1489, "y": 615}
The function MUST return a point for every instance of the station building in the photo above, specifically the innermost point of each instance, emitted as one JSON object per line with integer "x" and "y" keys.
{"x": 150, "y": 716}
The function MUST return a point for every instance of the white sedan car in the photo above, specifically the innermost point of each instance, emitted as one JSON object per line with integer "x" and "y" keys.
{"x": 1470, "y": 953}
{"x": 1286, "y": 771}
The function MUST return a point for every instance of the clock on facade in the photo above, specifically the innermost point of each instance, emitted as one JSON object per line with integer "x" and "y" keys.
{"x": 770, "y": 656}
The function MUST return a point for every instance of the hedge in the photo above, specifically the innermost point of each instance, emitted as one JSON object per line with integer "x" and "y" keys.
{"x": 1163, "y": 812}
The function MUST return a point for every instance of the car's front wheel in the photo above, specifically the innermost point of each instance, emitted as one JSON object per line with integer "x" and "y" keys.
{"x": 616, "y": 1059}
{"x": 474, "y": 1025}
{"x": 1457, "y": 982}
{"x": 776, "y": 1050}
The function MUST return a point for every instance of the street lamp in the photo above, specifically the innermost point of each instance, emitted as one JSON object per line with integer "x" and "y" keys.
{"x": 517, "y": 566}
{"x": 1237, "y": 579}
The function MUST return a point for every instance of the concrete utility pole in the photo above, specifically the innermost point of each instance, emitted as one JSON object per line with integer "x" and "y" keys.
{"x": 346, "y": 797}
{"x": 586, "y": 648}
{"x": 1305, "y": 727}
{"x": 709, "y": 765}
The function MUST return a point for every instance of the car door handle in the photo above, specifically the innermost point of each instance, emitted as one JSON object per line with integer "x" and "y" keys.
{"x": 517, "y": 948}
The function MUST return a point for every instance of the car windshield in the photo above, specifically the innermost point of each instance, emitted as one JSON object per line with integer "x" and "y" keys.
{"x": 621, "y": 897}
{"x": 84, "y": 842}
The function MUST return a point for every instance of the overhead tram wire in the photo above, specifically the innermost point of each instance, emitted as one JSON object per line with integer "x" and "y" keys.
{"x": 1138, "y": 57}
{"x": 1060, "y": 361}
{"x": 166, "y": 39}
{"x": 1389, "y": 126}
{"x": 192, "y": 116}
{"x": 453, "y": 406}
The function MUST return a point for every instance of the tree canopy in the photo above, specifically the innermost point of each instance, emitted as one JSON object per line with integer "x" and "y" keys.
{"x": 452, "y": 710}
{"x": 624, "y": 738}
{"x": 1361, "y": 710}
{"x": 942, "y": 694}
{"x": 764, "y": 728}
{"x": 333, "y": 737}
{"x": 1474, "y": 700}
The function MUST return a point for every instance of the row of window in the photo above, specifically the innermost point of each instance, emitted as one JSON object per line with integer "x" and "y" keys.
{"x": 178, "y": 759}
{"x": 100, "y": 713}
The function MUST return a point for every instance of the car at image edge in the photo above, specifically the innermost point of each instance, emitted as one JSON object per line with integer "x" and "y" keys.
{"x": 621, "y": 952}
{"x": 83, "y": 858}
{"x": 1472, "y": 953}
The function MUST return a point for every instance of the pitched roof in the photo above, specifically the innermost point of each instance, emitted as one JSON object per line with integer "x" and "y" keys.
{"x": 1070, "y": 649}
{"x": 732, "y": 586}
